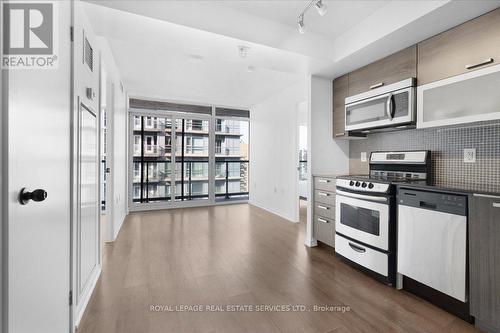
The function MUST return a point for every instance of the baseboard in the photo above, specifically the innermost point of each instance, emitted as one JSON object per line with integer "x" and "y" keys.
{"x": 253, "y": 203}
{"x": 82, "y": 305}
{"x": 311, "y": 243}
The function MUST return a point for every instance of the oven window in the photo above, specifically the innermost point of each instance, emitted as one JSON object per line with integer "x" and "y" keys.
{"x": 363, "y": 219}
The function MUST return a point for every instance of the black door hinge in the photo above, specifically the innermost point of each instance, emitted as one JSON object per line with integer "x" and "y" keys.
{"x": 71, "y": 33}
{"x": 71, "y": 298}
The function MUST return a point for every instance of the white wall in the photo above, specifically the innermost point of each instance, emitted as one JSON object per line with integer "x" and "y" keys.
{"x": 273, "y": 152}
{"x": 120, "y": 138}
{"x": 327, "y": 156}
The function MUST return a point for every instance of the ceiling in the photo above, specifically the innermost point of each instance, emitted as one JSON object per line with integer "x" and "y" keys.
{"x": 188, "y": 50}
{"x": 342, "y": 15}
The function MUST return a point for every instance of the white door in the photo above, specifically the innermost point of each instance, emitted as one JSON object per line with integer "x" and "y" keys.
{"x": 88, "y": 228}
{"x": 38, "y": 157}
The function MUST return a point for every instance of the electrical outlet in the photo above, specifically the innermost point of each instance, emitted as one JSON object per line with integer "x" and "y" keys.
{"x": 470, "y": 155}
{"x": 363, "y": 156}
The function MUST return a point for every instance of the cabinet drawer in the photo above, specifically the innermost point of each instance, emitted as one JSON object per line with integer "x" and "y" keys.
{"x": 323, "y": 210}
{"x": 391, "y": 69}
{"x": 324, "y": 230}
{"x": 324, "y": 197}
{"x": 452, "y": 52}
{"x": 324, "y": 183}
{"x": 369, "y": 258}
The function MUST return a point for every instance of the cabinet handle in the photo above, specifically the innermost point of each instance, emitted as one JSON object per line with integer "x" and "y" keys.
{"x": 323, "y": 220}
{"x": 496, "y": 205}
{"x": 479, "y": 64}
{"x": 378, "y": 85}
{"x": 323, "y": 181}
{"x": 323, "y": 194}
{"x": 323, "y": 207}
{"x": 339, "y": 134}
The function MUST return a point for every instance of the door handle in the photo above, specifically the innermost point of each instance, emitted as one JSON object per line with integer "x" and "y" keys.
{"x": 390, "y": 106}
{"x": 37, "y": 195}
{"x": 357, "y": 248}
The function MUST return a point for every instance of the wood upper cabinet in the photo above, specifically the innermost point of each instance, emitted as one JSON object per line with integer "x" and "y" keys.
{"x": 391, "y": 69}
{"x": 457, "y": 50}
{"x": 484, "y": 261}
{"x": 340, "y": 89}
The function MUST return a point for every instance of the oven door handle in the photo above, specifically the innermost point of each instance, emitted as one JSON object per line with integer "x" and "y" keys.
{"x": 357, "y": 248}
{"x": 361, "y": 196}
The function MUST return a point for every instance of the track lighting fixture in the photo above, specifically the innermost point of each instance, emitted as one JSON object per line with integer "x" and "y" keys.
{"x": 301, "y": 25}
{"x": 320, "y": 7}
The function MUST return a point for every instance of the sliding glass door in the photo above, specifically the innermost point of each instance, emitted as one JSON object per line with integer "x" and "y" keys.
{"x": 192, "y": 159}
{"x": 231, "y": 159}
{"x": 152, "y": 159}
{"x": 180, "y": 159}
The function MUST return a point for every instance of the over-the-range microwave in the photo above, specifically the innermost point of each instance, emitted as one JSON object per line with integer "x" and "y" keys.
{"x": 387, "y": 106}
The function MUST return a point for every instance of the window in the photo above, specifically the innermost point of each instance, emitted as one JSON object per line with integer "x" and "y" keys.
{"x": 156, "y": 178}
{"x": 231, "y": 162}
{"x": 218, "y": 146}
{"x": 151, "y": 175}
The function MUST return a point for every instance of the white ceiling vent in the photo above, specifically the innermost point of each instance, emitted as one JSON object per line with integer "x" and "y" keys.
{"x": 88, "y": 54}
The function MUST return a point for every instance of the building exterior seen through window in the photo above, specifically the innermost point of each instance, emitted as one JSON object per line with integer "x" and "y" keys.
{"x": 154, "y": 176}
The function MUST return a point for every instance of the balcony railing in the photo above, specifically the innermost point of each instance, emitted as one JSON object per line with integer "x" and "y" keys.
{"x": 231, "y": 180}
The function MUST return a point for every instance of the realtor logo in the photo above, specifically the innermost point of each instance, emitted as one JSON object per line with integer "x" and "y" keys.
{"x": 29, "y": 35}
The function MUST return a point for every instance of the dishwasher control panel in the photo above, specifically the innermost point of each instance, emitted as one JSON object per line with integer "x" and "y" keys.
{"x": 437, "y": 201}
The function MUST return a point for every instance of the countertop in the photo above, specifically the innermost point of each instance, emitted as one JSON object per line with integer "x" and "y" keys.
{"x": 453, "y": 188}
{"x": 325, "y": 175}
{"x": 450, "y": 188}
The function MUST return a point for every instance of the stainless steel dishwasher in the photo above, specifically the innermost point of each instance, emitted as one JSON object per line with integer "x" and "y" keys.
{"x": 432, "y": 240}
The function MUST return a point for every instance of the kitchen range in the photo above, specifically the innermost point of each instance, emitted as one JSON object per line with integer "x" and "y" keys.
{"x": 365, "y": 223}
{"x": 398, "y": 227}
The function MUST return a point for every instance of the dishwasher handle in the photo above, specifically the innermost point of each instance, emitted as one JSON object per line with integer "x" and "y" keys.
{"x": 428, "y": 205}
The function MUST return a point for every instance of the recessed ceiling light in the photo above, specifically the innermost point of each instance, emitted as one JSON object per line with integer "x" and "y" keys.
{"x": 195, "y": 58}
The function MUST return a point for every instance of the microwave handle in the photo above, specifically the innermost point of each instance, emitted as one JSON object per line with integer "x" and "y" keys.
{"x": 390, "y": 107}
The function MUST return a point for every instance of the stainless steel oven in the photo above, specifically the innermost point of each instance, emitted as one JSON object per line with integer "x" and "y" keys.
{"x": 364, "y": 218}
{"x": 388, "y": 106}
{"x": 365, "y": 211}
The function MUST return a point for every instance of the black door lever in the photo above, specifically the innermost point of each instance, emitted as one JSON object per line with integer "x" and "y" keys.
{"x": 37, "y": 195}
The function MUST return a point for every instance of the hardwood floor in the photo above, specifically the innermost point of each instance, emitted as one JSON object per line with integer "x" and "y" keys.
{"x": 240, "y": 255}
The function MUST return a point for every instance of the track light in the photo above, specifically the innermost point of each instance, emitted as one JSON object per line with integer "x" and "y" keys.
{"x": 301, "y": 25}
{"x": 320, "y": 7}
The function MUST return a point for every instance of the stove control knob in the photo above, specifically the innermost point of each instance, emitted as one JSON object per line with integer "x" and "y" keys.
{"x": 364, "y": 185}
{"x": 351, "y": 183}
{"x": 370, "y": 185}
{"x": 358, "y": 183}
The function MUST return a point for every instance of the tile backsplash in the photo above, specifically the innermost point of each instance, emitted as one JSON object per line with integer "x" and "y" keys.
{"x": 447, "y": 146}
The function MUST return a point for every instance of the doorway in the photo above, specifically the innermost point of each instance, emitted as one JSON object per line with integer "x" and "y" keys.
{"x": 302, "y": 134}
